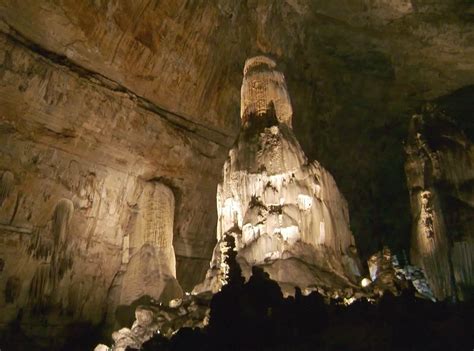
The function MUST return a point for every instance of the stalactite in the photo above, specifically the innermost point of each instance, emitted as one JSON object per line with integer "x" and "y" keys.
{"x": 62, "y": 216}
{"x": 41, "y": 287}
{"x": 55, "y": 252}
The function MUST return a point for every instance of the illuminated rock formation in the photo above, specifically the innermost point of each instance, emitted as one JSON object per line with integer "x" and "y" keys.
{"x": 387, "y": 274}
{"x": 286, "y": 214}
{"x": 262, "y": 87}
{"x": 440, "y": 175}
{"x": 97, "y": 95}
{"x": 165, "y": 319}
{"x": 151, "y": 269}
{"x": 148, "y": 261}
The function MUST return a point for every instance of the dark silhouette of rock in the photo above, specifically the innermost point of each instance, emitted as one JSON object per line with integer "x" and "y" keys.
{"x": 255, "y": 316}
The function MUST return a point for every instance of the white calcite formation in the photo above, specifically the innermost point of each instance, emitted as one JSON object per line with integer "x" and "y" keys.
{"x": 440, "y": 174}
{"x": 285, "y": 213}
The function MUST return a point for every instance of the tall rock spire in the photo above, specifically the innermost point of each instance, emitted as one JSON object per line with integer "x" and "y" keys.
{"x": 285, "y": 213}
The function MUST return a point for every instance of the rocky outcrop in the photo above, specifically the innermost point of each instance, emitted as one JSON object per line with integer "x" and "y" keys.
{"x": 285, "y": 213}
{"x": 165, "y": 319}
{"x": 388, "y": 275}
{"x": 440, "y": 177}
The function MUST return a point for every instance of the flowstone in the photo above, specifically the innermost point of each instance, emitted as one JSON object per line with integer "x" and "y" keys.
{"x": 285, "y": 213}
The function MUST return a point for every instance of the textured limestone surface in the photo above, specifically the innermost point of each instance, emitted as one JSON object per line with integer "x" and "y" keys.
{"x": 286, "y": 214}
{"x": 148, "y": 262}
{"x": 91, "y": 177}
{"x": 440, "y": 176}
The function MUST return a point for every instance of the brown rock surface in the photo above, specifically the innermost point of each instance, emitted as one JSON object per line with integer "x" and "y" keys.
{"x": 76, "y": 153}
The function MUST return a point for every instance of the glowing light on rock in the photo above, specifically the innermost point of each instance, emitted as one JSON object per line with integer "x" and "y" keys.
{"x": 250, "y": 233}
{"x": 261, "y": 86}
{"x": 290, "y": 234}
{"x": 304, "y": 202}
{"x": 365, "y": 282}
{"x": 322, "y": 233}
{"x": 349, "y": 301}
{"x": 175, "y": 303}
{"x": 148, "y": 252}
{"x": 230, "y": 214}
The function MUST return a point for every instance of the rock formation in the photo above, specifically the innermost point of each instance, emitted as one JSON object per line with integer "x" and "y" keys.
{"x": 387, "y": 274}
{"x": 148, "y": 261}
{"x": 355, "y": 68}
{"x": 166, "y": 319}
{"x": 440, "y": 177}
{"x": 285, "y": 213}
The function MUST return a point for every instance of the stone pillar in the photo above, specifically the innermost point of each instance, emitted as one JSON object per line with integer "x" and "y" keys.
{"x": 151, "y": 267}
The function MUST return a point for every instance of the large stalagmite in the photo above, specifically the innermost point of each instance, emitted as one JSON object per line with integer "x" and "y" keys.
{"x": 286, "y": 214}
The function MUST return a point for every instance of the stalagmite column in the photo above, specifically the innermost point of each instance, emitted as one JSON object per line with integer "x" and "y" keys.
{"x": 285, "y": 213}
{"x": 440, "y": 174}
{"x": 151, "y": 269}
